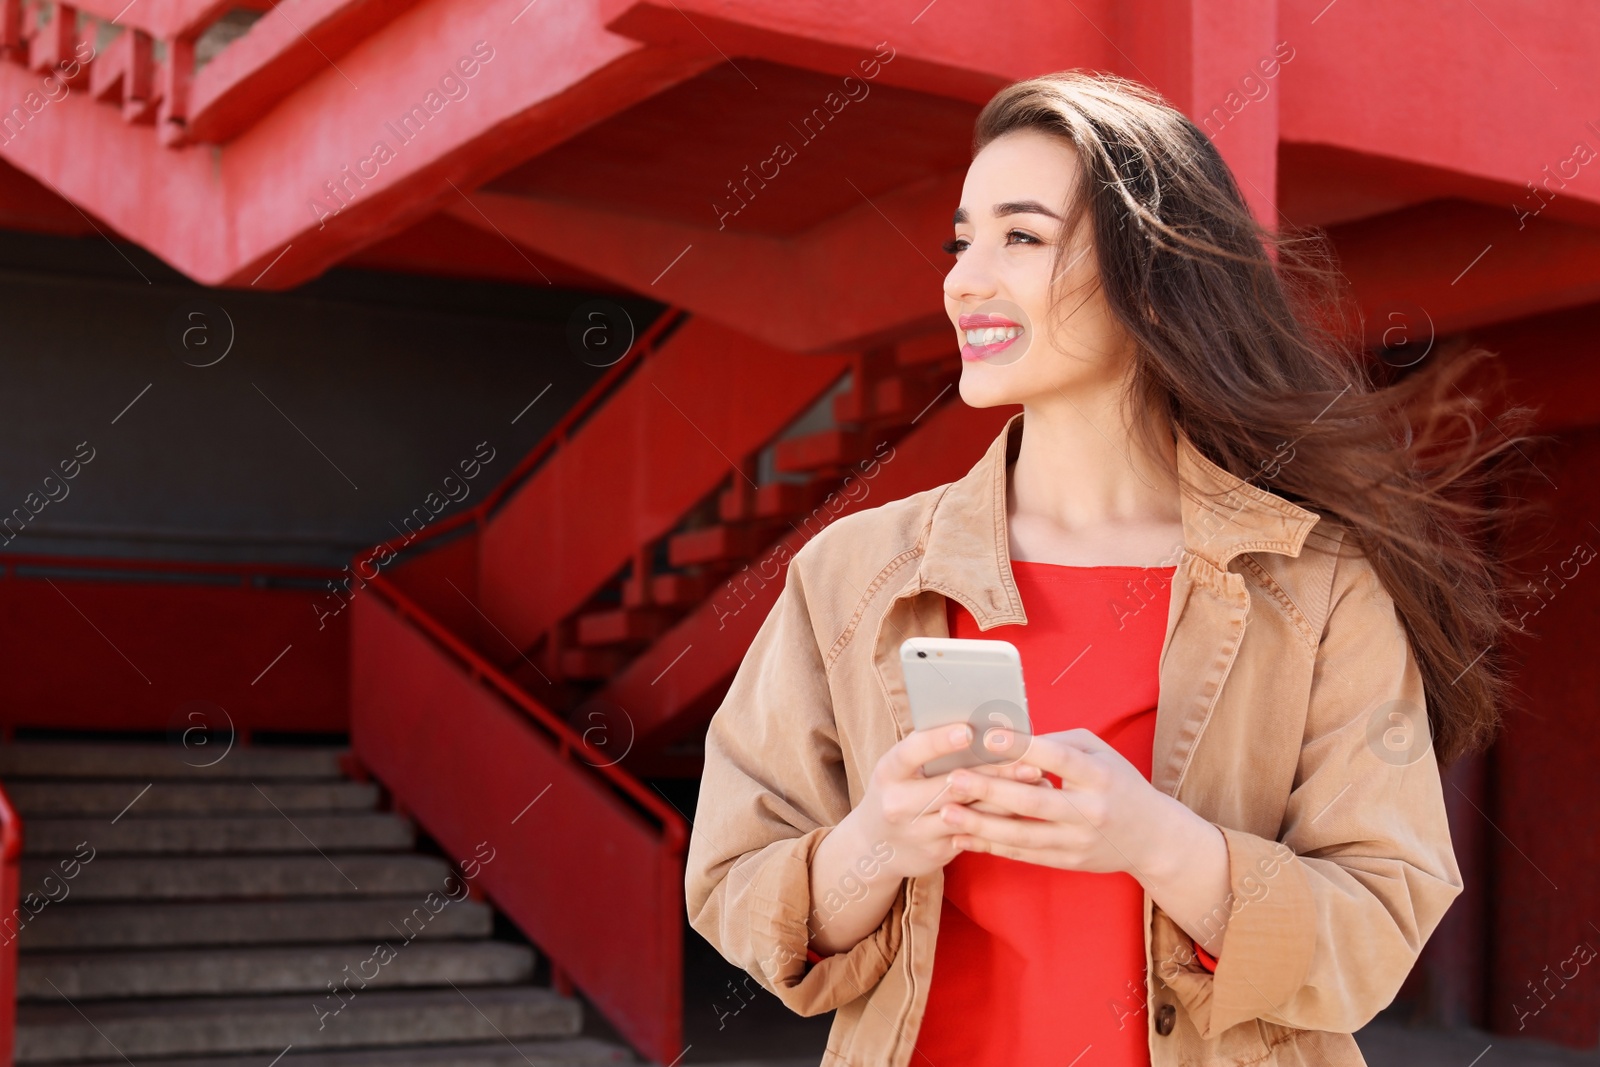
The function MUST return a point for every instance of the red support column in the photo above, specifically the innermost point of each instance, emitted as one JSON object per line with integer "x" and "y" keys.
{"x": 1219, "y": 63}
{"x": 1544, "y": 974}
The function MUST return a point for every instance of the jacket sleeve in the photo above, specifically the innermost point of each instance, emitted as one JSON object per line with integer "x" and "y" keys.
{"x": 1324, "y": 926}
{"x": 773, "y": 787}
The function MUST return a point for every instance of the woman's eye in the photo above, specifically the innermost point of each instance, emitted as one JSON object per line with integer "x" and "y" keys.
{"x": 959, "y": 244}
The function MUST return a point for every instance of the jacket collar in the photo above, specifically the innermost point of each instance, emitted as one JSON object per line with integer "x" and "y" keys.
{"x": 966, "y": 546}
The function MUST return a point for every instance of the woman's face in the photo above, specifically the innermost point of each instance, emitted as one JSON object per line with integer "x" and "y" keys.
{"x": 998, "y": 294}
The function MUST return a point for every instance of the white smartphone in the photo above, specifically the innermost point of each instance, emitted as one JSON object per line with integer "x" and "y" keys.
{"x": 954, "y": 679}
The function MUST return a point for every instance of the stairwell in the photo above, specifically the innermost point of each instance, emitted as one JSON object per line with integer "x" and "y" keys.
{"x": 258, "y": 909}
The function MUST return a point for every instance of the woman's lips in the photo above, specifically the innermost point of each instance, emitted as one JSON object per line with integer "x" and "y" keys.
{"x": 986, "y": 335}
{"x": 979, "y": 322}
{"x": 973, "y": 353}
{"x": 991, "y": 332}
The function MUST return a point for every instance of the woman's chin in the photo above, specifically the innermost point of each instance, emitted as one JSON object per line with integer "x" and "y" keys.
{"x": 980, "y": 387}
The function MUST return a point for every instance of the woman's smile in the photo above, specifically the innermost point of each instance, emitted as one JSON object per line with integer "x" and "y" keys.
{"x": 985, "y": 335}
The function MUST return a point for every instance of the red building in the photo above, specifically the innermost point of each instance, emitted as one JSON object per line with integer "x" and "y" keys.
{"x": 445, "y": 377}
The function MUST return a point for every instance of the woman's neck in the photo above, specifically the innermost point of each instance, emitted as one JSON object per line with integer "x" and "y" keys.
{"x": 1084, "y": 491}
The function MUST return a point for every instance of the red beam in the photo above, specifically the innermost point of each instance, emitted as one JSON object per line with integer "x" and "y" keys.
{"x": 161, "y": 18}
{"x": 1502, "y": 89}
{"x": 277, "y": 56}
{"x": 226, "y": 218}
{"x": 1451, "y": 265}
{"x": 935, "y": 49}
{"x": 868, "y": 275}
{"x": 1354, "y": 83}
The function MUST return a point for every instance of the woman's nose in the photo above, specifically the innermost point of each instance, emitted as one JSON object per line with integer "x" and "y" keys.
{"x": 969, "y": 280}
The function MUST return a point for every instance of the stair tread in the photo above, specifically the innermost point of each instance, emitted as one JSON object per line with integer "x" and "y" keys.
{"x": 235, "y": 913}
{"x": 392, "y": 999}
{"x": 231, "y": 970}
{"x": 71, "y": 759}
{"x": 47, "y": 797}
{"x": 224, "y": 877}
{"x": 547, "y": 1052}
{"x": 268, "y": 832}
{"x": 107, "y": 925}
{"x": 58, "y": 1032}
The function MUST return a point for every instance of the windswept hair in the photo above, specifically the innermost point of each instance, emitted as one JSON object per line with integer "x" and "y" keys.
{"x": 1246, "y": 340}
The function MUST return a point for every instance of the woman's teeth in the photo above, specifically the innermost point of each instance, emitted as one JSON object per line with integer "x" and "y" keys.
{"x": 992, "y": 335}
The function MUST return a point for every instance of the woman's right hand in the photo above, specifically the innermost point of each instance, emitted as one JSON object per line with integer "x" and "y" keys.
{"x": 901, "y": 806}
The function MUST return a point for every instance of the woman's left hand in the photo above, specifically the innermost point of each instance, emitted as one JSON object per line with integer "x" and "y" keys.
{"x": 1106, "y": 816}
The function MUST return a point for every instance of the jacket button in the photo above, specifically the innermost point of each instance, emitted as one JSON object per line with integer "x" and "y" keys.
{"x": 1166, "y": 1015}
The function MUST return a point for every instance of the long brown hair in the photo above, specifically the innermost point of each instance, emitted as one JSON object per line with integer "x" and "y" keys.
{"x": 1245, "y": 340}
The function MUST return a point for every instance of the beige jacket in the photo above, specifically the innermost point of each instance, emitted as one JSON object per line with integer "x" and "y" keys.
{"x": 1290, "y": 715}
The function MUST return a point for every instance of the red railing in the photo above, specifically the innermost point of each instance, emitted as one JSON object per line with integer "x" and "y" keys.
{"x": 592, "y": 873}
{"x": 10, "y": 887}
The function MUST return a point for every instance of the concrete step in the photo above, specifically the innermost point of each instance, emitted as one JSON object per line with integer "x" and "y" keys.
{"x": 58, "y": 797}
{"x": 561, "y": 1052}
{"x": 156, "y": 878}
{"x": 366, "y": 832}
{"x": 71, "y": 759}
{"x": 228, "y": 970}
{"x": 169, "y": 925}
{"x": 137, "y": 1029}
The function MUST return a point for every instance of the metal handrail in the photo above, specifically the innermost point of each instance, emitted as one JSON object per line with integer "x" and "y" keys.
{"x": 245, "y": 572}
{"x": 567, "y": 739}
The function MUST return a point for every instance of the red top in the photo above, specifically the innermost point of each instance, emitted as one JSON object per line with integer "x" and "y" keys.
{"x": 1037, "y": 964}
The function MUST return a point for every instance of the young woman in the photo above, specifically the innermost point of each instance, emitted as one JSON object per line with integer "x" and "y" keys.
{"x": 1252, "y": 605}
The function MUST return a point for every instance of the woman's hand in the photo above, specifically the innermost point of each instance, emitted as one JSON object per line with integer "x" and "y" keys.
{"x": 1105, "y": 816}
{"x": 901, "y": 807}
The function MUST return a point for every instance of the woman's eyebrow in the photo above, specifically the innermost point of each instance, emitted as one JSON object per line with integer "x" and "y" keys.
{"x": 1010, "y": 207}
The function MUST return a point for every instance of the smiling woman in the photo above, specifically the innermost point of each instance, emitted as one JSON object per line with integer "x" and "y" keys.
{"x": 1225, "y": 842}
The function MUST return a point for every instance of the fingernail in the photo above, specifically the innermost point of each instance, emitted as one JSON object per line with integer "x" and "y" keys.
{"x": 1030, "y": 772}
{"x": 960, "y": 733}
